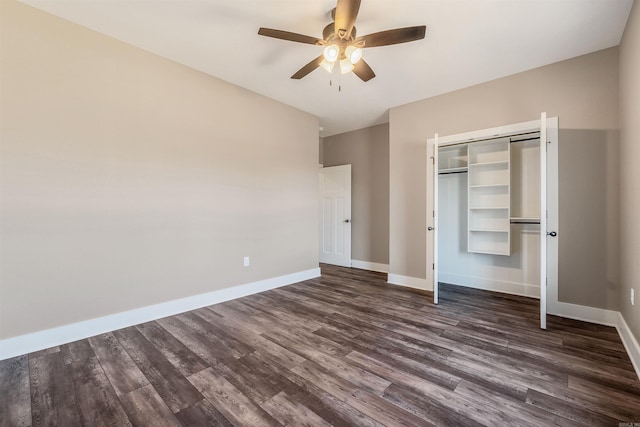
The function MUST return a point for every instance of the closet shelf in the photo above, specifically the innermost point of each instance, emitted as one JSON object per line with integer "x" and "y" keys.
{"x": 488, "y": 185}
{"x": 489, "y": 198}
{"x": 498, "y": 163}
{"x": 489, "y": 208}
{"x": 482, "y": 251}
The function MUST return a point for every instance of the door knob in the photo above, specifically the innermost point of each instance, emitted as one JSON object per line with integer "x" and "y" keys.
{"x": 552, "y": 234}
{"x": 430, "y": 228}
{"x": 347, "y": 221}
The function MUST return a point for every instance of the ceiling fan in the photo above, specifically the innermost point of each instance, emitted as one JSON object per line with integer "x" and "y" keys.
{"x": 342, "y": 46}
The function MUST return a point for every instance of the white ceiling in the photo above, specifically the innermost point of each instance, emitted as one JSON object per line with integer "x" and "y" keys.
{"x": 467, "y": 42}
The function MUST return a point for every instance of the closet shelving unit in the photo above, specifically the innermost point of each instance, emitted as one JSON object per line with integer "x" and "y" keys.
{"x": 452, "y": 159}
{"x": 489, "y": 197}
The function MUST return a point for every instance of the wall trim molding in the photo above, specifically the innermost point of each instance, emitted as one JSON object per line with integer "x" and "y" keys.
{"x": 585, "y": 313}
{"x": 40, "y": 340}
{"x": 605, "y": 317}
{"x": 410, "y": 282}
{"x": 371, "y": 266}
{"x": 630, "y": 343}
{"x": 514, "y": 288}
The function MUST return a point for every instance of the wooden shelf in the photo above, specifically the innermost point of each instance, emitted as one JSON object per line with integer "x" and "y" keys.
{"x": 488, "y": 185}
{"x": 499, "y": 163}
{"x": 452, "y": 159}
{"x": 487, "y": 252}
{"x": 489, "y": 201}
{"x": 489, "y": 208}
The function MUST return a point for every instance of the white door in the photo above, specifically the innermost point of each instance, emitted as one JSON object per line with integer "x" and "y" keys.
{"x": 432, "y": 221}
{"x": 548, "y": 214}
{"x": 543, "y": 221}
{"x": 335, "y": 215}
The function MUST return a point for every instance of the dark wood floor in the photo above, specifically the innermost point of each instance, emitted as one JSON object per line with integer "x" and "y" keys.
{"x": 346, "y": 350}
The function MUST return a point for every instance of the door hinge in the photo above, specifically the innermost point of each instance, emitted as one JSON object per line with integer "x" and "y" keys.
{"x": 433, "y": 266}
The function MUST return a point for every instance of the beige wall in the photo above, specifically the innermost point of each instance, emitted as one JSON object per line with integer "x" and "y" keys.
{"x": 588, "y": 270}
{"x": 629, "y": 170}
{"x": 367, "y": 150}
{"x": 129, "y": 180}
{"x": 583, "y": 93}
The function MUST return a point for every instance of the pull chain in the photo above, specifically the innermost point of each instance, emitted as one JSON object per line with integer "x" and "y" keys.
{"x": 339, "y": 83}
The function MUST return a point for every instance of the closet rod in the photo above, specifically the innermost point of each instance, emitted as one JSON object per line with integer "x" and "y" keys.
{"x": 452, "y": 172}
{"x": 513, "y": 221}
{"x": 469, "y": 141}
{"x": 523, "y": 140}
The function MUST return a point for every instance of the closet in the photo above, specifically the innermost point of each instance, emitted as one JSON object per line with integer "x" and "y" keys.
{"x": 490, "y": 215}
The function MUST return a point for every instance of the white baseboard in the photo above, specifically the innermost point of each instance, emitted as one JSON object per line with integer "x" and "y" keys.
{"x": 630, "y": 343}
{"x": 40, "y": 340}
{"x": 600, "y": 316}
{"x": 514, "y": 288}
{"x": 371, "y": 266}
{"x": 605, "y": 317}
{"x": 410, "y": 282}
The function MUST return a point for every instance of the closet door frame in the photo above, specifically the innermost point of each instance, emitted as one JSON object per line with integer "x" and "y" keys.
{"x": 548, "y": 128}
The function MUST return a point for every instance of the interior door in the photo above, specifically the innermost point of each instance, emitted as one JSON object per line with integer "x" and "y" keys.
{"x": 335, "y": 215}
{"x": 433, "y": 227}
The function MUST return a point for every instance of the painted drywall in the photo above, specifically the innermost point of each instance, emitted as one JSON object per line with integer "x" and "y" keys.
{"x": 367, "y": 150}
{"x": 588, "y": 270}
{"x": 629, "y": 171}
{"x": 130, "y": 180}
{"x": 582, "y": 92}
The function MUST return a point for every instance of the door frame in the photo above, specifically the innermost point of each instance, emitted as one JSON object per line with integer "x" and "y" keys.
{"x": 544, "y": 125}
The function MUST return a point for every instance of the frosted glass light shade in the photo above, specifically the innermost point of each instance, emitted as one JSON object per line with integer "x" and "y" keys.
{"x": 345, "y": 66}
{"x": 354, "y": 54}
{"x": 331, "y": 53}
{"x": 327, "y": 65}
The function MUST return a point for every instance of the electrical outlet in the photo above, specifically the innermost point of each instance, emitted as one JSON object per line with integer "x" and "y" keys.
{"x": 246, "y": 261}
{"x": 633, "y": 294}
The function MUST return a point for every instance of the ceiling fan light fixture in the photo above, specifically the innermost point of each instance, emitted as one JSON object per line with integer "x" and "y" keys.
{"x": 354, "y": 54}
{"x": 346, "y": 66}
{"x": 331, "y": 53}
{"x": 327, "y": 65}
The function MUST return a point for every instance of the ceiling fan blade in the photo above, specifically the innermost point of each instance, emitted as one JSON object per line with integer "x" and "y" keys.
{"x": 345, "y": 17}
{"x": 315, "y": 63}
{"x": 398, "y": 35}
{"x": 363, "y": 70}
{"x": 286, "y": 35}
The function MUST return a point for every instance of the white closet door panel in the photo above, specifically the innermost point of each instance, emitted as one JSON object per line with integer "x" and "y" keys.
{"x": 543, "y": 221}
{"x": 434, "y": 215}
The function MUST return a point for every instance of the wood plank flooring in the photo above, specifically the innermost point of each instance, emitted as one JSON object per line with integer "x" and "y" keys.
{"x": 345, "y": 349}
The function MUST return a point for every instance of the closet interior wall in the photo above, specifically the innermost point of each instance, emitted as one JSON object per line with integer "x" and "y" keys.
{"x": 517, "y": 271}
